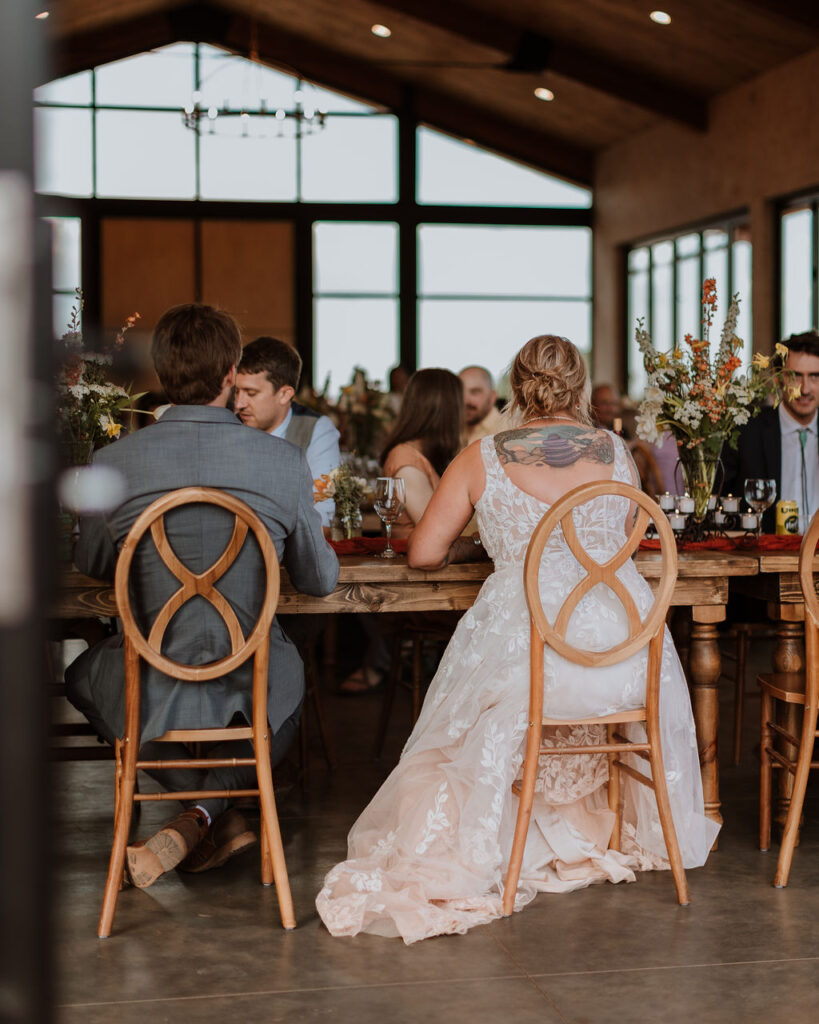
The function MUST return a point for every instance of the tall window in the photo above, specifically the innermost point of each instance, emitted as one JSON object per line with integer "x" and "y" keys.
{"x": 799, "y": 256}
{"x": 493, "y": 252}
{"x": 65, "y": 268}
{"x": 665, "y": 285}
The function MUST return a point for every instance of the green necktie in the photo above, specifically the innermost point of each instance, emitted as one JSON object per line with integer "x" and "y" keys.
{"x": 803, "y": 511}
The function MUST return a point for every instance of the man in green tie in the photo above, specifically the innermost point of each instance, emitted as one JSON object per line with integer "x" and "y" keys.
{"x": 781, "y": 443}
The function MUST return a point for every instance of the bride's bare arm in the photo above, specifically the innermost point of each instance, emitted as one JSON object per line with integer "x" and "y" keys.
{"x": 430, "y": 544}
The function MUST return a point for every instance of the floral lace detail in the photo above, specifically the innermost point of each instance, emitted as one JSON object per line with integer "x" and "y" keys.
{"x": 428, "y": 856}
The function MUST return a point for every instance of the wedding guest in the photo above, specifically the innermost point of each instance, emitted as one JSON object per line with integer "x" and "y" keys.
{"x": 266, "y": 381}
{"x": 199, "y": 442}
{"x": 480, "y": 396}
{"x": 781, "y": 444}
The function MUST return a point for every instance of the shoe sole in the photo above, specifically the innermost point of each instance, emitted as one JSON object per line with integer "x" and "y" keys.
{"x": 223, "y": 853}
{"x": 149, "y": 860}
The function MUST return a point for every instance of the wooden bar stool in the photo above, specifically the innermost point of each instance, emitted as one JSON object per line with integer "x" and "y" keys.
{"x": 138, "y": 646}
{"x": 648, "y": 633}
{"x": 791, "y": 689}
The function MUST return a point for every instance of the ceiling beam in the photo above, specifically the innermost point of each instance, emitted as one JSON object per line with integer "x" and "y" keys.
{"x": 524, "y": 50}
{"x": 219, "y": 26}
{"x": 799, "y": 12}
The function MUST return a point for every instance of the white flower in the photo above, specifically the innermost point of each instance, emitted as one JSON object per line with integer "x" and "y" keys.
{"x": 646, "y": 424}
{"x": 654, "y": 395}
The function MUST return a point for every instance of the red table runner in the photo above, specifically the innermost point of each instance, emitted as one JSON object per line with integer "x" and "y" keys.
{"x": 366, "y": 546}
{"x": 765, "y": 542}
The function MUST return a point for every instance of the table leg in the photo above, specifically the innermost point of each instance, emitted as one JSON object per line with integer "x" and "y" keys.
{"x": 705, "y": 668}
{"x": 788, "y": 656}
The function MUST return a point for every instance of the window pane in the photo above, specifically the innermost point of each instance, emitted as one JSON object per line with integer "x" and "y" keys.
{"x": 246, "y": 168}
{"x": 688, "y": 298}
{"x": 715, "y": 264}
{"x": 662, "y": 253}
{"x": 797, "y": 272}
{"x": 714, "y": 238}
{"x": 456, "y": 332}
{"x": 742, "y": 252}
{"x": 457, "y": 173}
{"x": 61, "y": 306}
{"x": 352, "y": 160}
{"x": 662, "y": 310}
{"x": 226, "y": 80}
{"x": 73, "y": 89}
{"x": 58, "y": 133}
{"x": 504, "y": 261}
{"x": 638, "y": 259}
{"x": 637, "y": 310}
{"x": 65, "y": 253}
{"x": 355, "y": 257}
{"x": 688, "y": 245}
{"x": 144, "y": 155}
{"x": 161, "y": 78}
{"x": 354, "y": 332}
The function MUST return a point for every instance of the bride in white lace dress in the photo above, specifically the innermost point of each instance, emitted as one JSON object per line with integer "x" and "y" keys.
{"x": 428, "y": 856}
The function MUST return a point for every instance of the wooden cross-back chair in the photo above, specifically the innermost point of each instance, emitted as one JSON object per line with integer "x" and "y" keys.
{"x": 791, "y": 689}
{"x": 255, "y": 646}
{"x": 647, "y": 633}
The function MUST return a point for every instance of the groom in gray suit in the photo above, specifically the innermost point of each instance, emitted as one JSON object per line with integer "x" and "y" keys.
{"x": 199, "y": 441}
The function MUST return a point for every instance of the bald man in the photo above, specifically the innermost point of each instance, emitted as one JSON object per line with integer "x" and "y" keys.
{"x": 482, "y": 417}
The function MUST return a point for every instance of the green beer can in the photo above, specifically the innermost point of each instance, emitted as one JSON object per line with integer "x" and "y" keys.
{"x": 787, "y": 517}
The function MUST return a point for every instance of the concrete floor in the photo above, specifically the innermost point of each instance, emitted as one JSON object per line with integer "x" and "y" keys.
{"x": 211, "y": 948}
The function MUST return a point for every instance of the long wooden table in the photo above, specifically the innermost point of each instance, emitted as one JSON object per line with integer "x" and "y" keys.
{"x": 369, "y": 584}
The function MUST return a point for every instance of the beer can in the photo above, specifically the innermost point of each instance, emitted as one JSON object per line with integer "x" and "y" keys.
{"x": 787, "y": 517}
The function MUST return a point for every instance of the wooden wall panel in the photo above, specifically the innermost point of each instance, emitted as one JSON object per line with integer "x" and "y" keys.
{"x": 248, "y": 269}
{"x": 146, "y": 265}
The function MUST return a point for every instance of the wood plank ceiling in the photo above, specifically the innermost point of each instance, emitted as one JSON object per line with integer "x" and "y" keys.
{"x": 470, "y": 67}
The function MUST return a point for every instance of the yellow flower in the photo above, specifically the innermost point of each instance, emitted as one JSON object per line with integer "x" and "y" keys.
{"x": 110, "y": 426}
{"x": 794, "y": 391}
{"x": 760, "y": 361}
{"x": 781, "y": 350}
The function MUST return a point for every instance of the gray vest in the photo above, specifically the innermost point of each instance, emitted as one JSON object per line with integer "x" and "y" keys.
{"x": 301, "y": 426}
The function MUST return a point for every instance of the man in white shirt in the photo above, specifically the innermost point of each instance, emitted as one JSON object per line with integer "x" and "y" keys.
{"x": 781, "y": 444}
{"x": 266, "y": 381}
{"x": 482, "y": 417}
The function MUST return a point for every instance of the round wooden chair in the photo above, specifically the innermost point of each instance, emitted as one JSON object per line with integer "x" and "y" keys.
{"x": 787, "y": 691}
{"x": 138, "y": 646}
{"x": 648, "y": 633}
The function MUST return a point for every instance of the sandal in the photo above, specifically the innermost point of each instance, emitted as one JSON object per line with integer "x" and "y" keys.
{"x": 362, "y": 680}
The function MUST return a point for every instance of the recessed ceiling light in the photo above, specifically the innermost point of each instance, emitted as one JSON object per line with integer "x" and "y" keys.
{"x": 660, "y": 17}
{"x": 41, "y": 16}
{"x": 544, "y": 94}
{"x": 381, "y": 31}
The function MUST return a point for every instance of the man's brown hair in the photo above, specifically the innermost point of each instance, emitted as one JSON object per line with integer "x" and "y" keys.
{"x": 280, "y": 361}
{"x": 194, "y": 347}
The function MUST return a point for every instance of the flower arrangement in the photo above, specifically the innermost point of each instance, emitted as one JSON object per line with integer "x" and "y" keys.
{"x": 348, "y": 490}
{"x": 89, "y": 406}
{"x": 366, "y": 414}
{"x": 699, "y": 397}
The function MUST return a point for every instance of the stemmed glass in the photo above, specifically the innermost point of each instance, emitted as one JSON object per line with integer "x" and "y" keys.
{"x": 760, "y": 494}
{"x": 388, "y": 501}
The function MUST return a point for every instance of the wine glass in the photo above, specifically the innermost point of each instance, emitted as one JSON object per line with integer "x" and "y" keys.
{"x": 760, "y": 494}
{"x": 388, "y": 501}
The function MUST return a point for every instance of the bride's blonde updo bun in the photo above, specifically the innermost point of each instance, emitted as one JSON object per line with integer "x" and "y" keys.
{"x": 549, "y": 376}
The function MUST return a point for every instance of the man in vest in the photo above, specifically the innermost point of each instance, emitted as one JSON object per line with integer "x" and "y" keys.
{"x": 266, "y": 381}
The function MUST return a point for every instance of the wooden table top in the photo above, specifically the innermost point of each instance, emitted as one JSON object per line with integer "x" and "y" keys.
{"x": 368, "y": 583}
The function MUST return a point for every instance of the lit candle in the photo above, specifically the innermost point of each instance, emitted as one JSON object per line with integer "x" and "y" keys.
{"x": 677, "y": 521}
{"x": 712, "y": 503}
{"x": 730, "y": 504}
{"x": 720, "y": 517}
{"x": 748, "y": 521}
{"x": 667, "y": 501}
{"x": 685, "y": 504}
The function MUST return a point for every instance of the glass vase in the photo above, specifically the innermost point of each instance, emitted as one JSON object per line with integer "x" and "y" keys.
{"x": 346, "y": 525}
{"x": 702, "y": 472}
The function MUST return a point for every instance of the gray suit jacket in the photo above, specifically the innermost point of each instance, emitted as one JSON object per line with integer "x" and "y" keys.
{"x": 203, "y": 446}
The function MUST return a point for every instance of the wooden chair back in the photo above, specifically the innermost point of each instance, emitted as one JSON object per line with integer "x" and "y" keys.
{"x": 807, "y": 553}
{"x": 201, "y": 584}
{"x": 561, "y": 516}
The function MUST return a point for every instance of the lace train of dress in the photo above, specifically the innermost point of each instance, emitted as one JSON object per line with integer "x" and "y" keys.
{"x": 429, "y": 854}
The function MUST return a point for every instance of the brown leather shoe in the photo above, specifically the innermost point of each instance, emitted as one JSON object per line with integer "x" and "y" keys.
{"x": 150, "y": 858}
{"x": 228, "y": 835}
